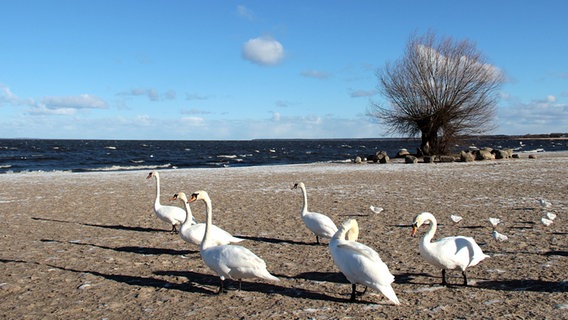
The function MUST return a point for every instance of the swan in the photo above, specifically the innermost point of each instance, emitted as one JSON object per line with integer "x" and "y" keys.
{"x": 447, "y": 253}
{"x": 320, "y": 224}
{"x": 170, "y": 214}
{"x": 228, "y": 261}
{"x": 359, "y": 263}
{"x": 193, "y": 232}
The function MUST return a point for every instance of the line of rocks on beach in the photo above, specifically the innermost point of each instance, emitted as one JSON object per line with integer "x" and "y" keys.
{"x": 463, "y": 156}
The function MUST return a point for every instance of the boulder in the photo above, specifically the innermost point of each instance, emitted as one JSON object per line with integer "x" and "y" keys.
{"x": 382, "y": 157}
{"x": 467, "y": 156}
{"x": 410, "y": 159}
{"x": 503, "y": 154}
{"x": 357, "y": 159}
{"x": 446, "y": 159}
{"x": 484, "y": 154}
{"x": 402, "y": 153}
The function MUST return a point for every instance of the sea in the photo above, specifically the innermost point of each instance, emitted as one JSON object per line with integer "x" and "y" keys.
{"x": 47, "y": 155}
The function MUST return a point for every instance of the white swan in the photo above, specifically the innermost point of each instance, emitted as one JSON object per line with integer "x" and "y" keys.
{"x": 228, "y": 261}
{"x": 359, "y": 263}
{"x": 193, "y": 232}
{"x": 320, "y": 224}
{"x": 170, "y": 214}
{"x": 447, "y": 253}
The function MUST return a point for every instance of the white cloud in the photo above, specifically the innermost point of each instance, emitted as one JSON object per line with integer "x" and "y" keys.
{"x": 42, "y": 109}
{"x": 544, "y": 115}
{"x": 151, "y": 93}
{"x": 195, "y": 96}
{"x": 315, "y": 74}
{"x": 244, "y": 12}
{"x": 263, "y": 51}
{"x": 83, "y": 101}
{"x": 193, "y": 121}
{"x": 7, "y": 97}
{"x": 276, "y": 116}
{"x": 195, "y": 111}
{"x": 363, "y": 93}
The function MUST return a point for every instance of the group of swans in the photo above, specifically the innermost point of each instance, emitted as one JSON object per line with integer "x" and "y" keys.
{"x": 192, "y": 232}
{"x": 228, "y": 261}
{"x": 359, "y": 263}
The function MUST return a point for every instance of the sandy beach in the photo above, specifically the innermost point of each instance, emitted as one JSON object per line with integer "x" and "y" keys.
{"x": 88, "y": 245}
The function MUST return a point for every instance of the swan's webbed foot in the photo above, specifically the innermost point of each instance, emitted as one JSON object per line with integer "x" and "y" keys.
{"x": 354, "y": 292}
{"x": 174, "y": 229}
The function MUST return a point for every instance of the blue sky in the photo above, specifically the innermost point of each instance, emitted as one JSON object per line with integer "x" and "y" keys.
{"x": 192, "y": 70}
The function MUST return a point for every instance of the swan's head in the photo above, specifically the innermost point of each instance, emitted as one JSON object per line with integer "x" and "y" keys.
{"x": 352, "y": 229}
{"x": 179, "y": 196}
{"x": 199, "y": 195}
{"x": 152, "y": 174}
{"x": 298, "y": 185}
{"x": 420, "y": 219}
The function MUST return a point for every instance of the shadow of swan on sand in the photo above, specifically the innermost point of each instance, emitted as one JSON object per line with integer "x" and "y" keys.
{"x": 525, "y": 285}
{"x": 105, "y": 226}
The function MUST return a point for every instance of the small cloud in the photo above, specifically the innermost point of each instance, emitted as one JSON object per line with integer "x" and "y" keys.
{"x": 263, "y": 51}
{"x": 276, "y": 116}
{"x": 245, "y": 12}
{"x": 41, "y": 109}
{"x": 84, "y": 101}
{"x": 170, "y": 95}
{"x": 195, "y": 111}
{"x": 363, "y": 93}
{"x": 193, "y": 121}
{"x": 282, "y": 103}
{"x": 315, "y": 74}
{"x": 151, "y": 93}
{"x": 195, "y": 96}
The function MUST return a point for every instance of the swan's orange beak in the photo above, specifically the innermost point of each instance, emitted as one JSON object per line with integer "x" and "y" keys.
{"x": 174, "y": 197}
{"x": 193, "y": 198}
{"x": 414, "y": 229}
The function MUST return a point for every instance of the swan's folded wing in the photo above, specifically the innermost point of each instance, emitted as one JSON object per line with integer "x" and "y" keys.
{"x": 359, "y": 248}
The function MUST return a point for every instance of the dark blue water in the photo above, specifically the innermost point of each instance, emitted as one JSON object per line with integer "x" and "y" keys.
{"x": 23, "y": 155}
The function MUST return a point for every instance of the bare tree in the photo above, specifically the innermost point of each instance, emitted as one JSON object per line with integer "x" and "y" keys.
{"x": 440, "y": 89}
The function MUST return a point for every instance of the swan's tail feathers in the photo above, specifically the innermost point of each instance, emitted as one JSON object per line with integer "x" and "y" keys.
{"x": 236, "y": 240}
{"x": 266, "y": 275}
{"x": 388, "y": 291}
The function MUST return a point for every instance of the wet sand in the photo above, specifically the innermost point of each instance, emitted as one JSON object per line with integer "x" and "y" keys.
{"x": 88, "y": 245}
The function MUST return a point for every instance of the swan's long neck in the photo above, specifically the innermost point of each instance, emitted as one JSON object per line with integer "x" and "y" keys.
{"x": 208, "y": 223}
{"x": 157, "y": 201}
{"x": 433, "y": 226}
{"x": 188, "y": 214}
{"x": 349, "y": 230}
{"x": 305, "y": 195}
